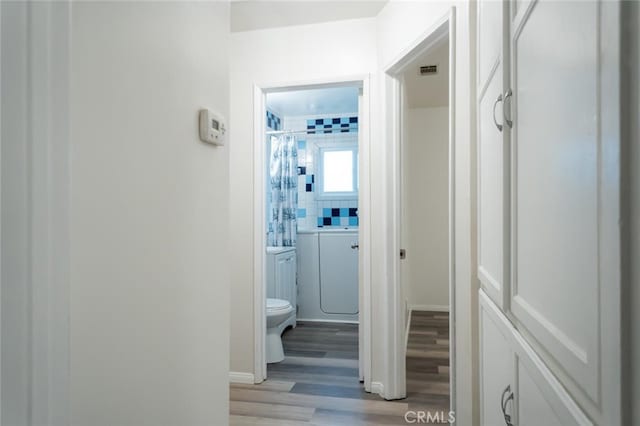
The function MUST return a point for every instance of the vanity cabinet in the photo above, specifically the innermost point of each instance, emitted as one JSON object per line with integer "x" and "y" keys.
{"x": 548, "y": 175}
{"x": 281, "y": 274}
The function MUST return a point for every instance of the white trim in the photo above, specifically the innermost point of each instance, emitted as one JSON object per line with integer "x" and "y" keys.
{"x": 240, "y": 377}
{"x": 434, "y": 308}
{"x": 259, "y": 226}
{"x": 394, "y": 353}
{"x": 259, "y": 238}
{"x": 377, "y": 387}
{"x": 44, "y": 168}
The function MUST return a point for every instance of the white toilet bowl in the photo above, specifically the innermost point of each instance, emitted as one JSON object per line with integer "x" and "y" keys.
{"x": 278, "y": 311}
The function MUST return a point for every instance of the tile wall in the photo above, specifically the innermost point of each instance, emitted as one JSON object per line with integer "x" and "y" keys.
{"x": 339, "y": 128}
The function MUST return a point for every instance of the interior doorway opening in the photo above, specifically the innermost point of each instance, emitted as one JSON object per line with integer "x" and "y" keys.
{"x": 421, "y": 87}
{"x": 331, "y": 211}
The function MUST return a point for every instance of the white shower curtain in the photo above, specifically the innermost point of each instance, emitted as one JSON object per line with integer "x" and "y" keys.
{"x": 284, "y": 190}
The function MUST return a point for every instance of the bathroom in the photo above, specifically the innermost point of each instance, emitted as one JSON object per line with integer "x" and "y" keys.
{"x": 312, "y": 222}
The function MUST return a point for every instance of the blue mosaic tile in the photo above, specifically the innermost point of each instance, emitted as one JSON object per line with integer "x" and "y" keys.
{"x": 344, "y": 212}
{"x": 320, "y": 222}
{"x": 332, "y": 125}
{"x": 273, "y": 121}
{"x": 326, "y": 212}
{"x": 335, "y": 221}
{"x": 302, "y": 213}
{"x": 353, "y": 221}
{"x": 302, "y": 144}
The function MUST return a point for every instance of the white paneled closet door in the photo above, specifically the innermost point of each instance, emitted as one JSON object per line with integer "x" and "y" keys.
{"x": 493, "y": 151}
{"x": 497, "y": 378}
{"x": 565, "y": 282}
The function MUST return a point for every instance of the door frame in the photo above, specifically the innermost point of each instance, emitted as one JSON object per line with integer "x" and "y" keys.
{"x": 260, "y": 92}
{"x": 396, "y": 374}
{"x": 35, "y": 275}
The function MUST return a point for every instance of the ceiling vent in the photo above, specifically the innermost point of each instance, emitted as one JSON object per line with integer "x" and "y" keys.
{"x": 428, "y": 70}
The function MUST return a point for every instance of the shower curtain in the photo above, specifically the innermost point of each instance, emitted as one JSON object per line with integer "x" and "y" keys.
{"x": 283, "y": 170}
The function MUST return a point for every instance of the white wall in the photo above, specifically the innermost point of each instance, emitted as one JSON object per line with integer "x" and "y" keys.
{"x": 274, "y": 56}
{"x": 427, "y": 207}
{"x": 399, "y": 25}
{"x": 149, "y": 213}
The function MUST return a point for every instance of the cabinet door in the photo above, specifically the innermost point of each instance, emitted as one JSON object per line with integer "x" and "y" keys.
{"x": 285, "y": 272}
{"x": 565, "y": 182}
{"x": 493, "y": 152}
{"x": 496, "y": 364}
{"x": 540, "y": 399}
{"x": 338, "y": 274}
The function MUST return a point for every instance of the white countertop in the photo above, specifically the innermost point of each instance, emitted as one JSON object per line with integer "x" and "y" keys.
{"x": 277, "y": 250}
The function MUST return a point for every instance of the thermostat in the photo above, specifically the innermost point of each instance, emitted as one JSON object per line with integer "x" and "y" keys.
{"x": 212, "y": 127}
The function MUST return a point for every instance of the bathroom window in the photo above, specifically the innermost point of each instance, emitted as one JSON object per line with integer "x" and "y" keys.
{"x": 338, "y": 173}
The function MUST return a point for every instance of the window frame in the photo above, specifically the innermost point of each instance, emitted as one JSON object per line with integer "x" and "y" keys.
{"x": 321, "y": 194}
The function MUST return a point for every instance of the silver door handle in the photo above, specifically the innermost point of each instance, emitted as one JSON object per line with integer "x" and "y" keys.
{"x": 355, "y": 246}
{"x": 508, "y": 94}
{"x": 503, "y": 402}
{"x": 499, "y": 99}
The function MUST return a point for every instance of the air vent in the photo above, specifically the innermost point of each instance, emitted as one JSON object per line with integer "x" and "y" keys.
{"x": 428, "y": 70}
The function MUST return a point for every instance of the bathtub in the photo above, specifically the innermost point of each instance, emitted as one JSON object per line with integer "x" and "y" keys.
{"x": 327, "y": 275}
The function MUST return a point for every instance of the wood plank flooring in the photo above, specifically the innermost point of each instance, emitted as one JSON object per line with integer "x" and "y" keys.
{"x": 317, "y": 383}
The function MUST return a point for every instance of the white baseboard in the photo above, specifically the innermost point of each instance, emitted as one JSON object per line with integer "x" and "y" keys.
{"x": 238, "y": 377}
{"x": 377, "y": 387}
{"x": 435, "y": 308}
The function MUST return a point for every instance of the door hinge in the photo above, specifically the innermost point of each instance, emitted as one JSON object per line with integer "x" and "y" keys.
{"x": 403, "y": 254}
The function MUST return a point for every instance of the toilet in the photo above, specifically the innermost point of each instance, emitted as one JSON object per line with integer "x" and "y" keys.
{"x": 278, "y": 311}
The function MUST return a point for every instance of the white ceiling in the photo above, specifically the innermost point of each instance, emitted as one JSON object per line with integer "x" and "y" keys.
{"x": 247, "y": 15}
{"x": 335, "y": 100}
{"x": 430, "y": 90}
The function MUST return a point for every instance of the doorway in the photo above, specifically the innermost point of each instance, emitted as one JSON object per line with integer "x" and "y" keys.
{"x": 325, "y": 206}
{"x": 420, "y": 85}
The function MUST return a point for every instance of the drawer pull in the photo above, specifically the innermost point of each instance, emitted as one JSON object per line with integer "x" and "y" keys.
{"x": 495, "y": 104}
{"x": 507, "y": 95}
{"x": 507, "y": 396}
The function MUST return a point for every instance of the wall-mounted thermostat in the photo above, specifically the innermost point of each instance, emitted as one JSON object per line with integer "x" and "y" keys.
{"x": 212, "y": 127}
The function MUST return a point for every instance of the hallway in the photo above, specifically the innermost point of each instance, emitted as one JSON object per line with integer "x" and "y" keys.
{"x": 318, "y": 384}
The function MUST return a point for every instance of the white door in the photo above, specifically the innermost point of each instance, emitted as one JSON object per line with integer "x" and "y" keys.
{"x": 493, "y": 152}
{"x": 565, "y": 183}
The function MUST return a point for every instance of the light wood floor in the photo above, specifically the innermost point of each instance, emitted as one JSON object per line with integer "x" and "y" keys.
{"x": 317, "y": 383}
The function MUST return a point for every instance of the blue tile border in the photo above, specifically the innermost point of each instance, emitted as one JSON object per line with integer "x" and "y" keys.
{"x": 332, "y": 125}
{"x": 340, "y": 216}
